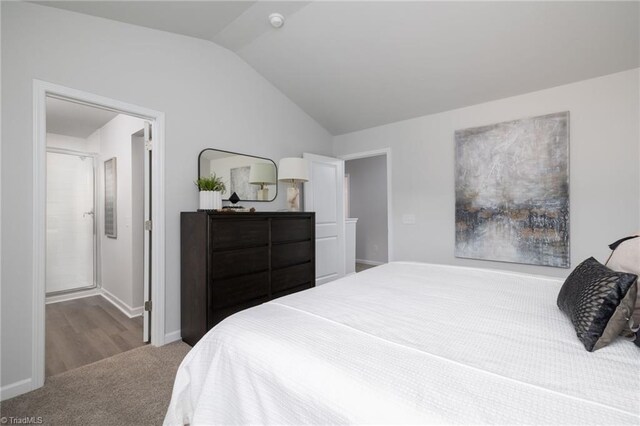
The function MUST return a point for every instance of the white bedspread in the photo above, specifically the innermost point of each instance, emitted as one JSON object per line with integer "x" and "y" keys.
{"x": 408, "y": 343}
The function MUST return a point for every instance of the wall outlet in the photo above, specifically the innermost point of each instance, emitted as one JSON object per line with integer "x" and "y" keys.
{"x": 409, "y": 219}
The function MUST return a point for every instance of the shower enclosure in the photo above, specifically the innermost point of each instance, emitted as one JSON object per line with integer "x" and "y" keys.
{"x": 71, "y": 224}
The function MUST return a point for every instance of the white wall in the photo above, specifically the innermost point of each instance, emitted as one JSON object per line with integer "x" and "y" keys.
{"x": 89, "y": 145}
{"x": 604, "y": 172}
{"x": 116, "y": 254}
{"x": 210, "y": 97}
{"x": 368, "y": 202}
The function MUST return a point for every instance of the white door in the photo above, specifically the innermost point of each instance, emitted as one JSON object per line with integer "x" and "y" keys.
{"x": 70, "y": 222}
{"x": 146, "y": 316}
{"x": 324, "y": 194}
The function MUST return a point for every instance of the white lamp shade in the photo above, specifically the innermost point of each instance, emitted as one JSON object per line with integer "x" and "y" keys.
{"x": 262, "y": 173}
{"x": 293, "y": 170}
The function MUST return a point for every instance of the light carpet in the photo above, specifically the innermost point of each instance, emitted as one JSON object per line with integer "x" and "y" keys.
{"x": 131, "y": 388}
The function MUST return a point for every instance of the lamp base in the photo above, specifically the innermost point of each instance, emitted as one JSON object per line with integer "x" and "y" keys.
{"x": 293, "y": 198}
{"x": 263, "y": 194}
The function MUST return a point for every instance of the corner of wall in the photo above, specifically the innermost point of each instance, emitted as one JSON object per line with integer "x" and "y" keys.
{"x": 173, "y": 336}
{"x": 14, "y": 389}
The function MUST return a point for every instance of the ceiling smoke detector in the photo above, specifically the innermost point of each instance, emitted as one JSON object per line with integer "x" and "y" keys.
{"x": 276, "y": 20}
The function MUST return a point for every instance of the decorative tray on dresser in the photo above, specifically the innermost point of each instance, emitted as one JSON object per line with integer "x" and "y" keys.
{"x": 231, "y": 262}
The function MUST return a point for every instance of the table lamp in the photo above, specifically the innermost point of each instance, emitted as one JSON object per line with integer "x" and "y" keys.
{"x": 294, "y": 171}
{"x": 262, "y": 174}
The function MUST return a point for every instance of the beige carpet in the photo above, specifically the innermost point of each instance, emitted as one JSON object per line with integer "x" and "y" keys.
{"x": 131, "y": 388}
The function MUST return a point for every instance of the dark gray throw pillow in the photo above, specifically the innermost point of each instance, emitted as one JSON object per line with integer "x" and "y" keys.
{"x": 598, "y": 301}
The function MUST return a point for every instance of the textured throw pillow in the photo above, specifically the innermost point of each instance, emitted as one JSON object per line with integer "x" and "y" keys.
{"x": 598, "y": 301}
{"x": 626, "y": 258}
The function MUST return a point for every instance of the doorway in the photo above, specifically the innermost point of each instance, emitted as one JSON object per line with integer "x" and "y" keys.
{"x": 368, "y": 206}
{"x": 84, "y": 220}
{"x": 95, "y": 280}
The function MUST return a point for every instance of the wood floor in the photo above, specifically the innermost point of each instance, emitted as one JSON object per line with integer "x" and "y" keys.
{"x": 363, "y": 267}
{"x": 82, "y": 331}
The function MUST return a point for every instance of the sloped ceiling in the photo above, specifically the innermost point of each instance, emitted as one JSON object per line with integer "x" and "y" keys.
{"x": 355, "y": 65}
{"x": 77, "y": 120}
{"x": 200, "y": 19}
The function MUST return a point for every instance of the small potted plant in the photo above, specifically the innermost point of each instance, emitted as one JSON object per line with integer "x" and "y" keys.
{"x": 211, "y": 189}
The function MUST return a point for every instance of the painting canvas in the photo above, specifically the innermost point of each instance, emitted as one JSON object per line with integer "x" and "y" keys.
{"x": 512, "y": 191}
{"x": 110, "y": 198}
{"x": 240, "y": 184}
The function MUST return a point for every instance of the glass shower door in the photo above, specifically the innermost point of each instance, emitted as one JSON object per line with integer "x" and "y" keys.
{"x": 70, "y": 222}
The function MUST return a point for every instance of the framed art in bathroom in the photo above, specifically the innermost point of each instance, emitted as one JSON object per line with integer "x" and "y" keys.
{"x": 110, "y": 198}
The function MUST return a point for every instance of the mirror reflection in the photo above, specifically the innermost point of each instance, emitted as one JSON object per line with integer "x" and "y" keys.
{"x": 251, "y": 178}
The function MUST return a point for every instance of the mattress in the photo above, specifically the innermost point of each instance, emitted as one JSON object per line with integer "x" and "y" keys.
{"x": 408, "y": 343}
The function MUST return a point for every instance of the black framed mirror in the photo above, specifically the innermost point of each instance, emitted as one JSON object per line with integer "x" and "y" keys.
{"x": 251, "y": 178}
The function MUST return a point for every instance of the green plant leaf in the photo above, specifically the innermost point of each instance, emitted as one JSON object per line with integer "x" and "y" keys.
{"x": 212, "y": 183}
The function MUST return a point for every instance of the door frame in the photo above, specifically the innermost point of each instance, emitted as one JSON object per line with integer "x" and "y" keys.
{"x": 377, "y": 153}
{"x": 42, "y": 89}
{"x": 96, "y": 236}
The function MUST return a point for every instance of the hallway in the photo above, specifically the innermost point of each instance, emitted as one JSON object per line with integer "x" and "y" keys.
{"x": 82, "y": 331}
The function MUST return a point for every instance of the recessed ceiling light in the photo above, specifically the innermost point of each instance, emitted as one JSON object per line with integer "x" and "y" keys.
{"x": 276, "y": 20}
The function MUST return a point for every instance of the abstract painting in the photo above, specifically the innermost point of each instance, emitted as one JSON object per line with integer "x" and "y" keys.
{"x": 240, "y": 184}
{"x": 512, "y": 191}
{"x": 110, "y": 198}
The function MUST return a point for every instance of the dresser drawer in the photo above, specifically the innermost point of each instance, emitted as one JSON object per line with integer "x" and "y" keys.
{"x": 292, "y": 290}
{"x": 230, "y": 233}
{"x": 283, "y": 255}
{"x": 217, "y": 315}
{"x": 233, "y": 291}
{"x": 297, "y": 229}
{"x": 230, "y": 263}
{"x": 293, "y": 276}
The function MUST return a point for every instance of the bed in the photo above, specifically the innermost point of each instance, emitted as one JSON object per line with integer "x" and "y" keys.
{"x": 408, "y": 343}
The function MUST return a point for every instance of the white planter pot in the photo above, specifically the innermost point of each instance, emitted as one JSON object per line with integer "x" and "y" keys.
{"x": 210, "y": 200}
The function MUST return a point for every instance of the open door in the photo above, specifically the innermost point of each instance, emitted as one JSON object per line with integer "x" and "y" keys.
{"x": 146, "y": 325}
{"x": 324, "y": 194}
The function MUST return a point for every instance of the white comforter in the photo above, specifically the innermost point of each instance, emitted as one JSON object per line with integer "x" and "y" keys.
{"x": 408, "y": 343}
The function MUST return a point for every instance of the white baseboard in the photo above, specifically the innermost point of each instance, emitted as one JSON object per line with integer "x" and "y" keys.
{"x": 15, "y": 389}
{"x": 71, "y": 296}
{"x": 112, "y": 298}
{"x": 124, "y": 308}
{"x": 174, "y": 336}
{"x": 369, "y": 262}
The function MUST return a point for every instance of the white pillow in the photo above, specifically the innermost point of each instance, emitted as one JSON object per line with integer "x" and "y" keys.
{"x": 626, "y": 258}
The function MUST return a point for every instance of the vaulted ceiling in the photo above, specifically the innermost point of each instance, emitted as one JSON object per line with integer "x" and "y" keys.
{"x": 354, "y": 65}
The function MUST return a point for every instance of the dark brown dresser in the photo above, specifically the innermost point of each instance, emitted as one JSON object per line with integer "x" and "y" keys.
{"x": 231, "y": 262}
